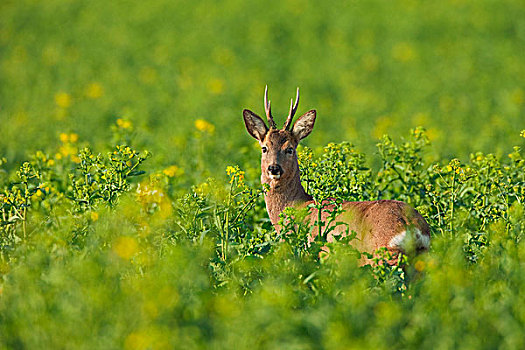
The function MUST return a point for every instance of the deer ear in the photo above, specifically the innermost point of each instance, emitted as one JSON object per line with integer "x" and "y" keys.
{"x": 254, "y": 124}
{"x": 304, "y": 125}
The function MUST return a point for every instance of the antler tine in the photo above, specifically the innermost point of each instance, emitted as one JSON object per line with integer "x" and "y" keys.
{"x": 268, "y": 109}
{"x": 293, "y": 110}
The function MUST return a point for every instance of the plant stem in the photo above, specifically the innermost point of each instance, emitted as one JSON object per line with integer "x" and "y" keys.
{"x": 453, "y": 199}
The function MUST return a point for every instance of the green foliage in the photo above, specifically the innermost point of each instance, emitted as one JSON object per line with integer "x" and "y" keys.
{"x": 339, "y": 173}
{"x": 52, "y": 185}
{"x": 401, "y": 173}
{"x": 103, "y": 179}
{"x": 159, "y": 266}
{"x": 103, "y": 246}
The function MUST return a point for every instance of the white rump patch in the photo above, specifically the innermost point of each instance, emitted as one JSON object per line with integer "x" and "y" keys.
{"x": 403, "y": 241}
{"x": 397, "y": 241}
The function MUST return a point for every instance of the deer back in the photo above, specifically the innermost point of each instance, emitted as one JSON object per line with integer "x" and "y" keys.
{"x": 383, "y": 223}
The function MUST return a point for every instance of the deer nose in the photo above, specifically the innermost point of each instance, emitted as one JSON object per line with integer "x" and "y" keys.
{"x": 275, "y": 169}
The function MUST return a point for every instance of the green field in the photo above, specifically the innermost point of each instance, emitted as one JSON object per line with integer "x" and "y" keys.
{"x": 131, "y": 212}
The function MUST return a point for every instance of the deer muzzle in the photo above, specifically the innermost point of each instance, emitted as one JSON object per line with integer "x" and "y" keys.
{"x": 275, "y": 171}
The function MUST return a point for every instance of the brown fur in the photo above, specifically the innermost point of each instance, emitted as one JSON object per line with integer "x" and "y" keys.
{"x": 283, "y": 192}
{"x": 376, "y": 223}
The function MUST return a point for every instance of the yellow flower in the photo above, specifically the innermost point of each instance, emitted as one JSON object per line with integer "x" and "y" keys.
{"x": 73, "y": 137}
{"x": 94, "y": 216}
{"x": 204, "y": 126}
{"x": 203, "y": 189}
{"x": 234, "y": 172}
{"x": 419, "y": 265}
{"x": 67, "y": 150}
{"x": 64, "y": 137}
{"x": 126, "y": 247}
{"x": 124, "y": 124}
{"x": 148, "y": 338}
{"x": 94, "y": 90}
{"x": 419, "y": 132}
{"x": 522, "y": 133}
{"x": 63, "y": 99}
{"x": 171, "y": 171}
{"x": 137, "y": 340}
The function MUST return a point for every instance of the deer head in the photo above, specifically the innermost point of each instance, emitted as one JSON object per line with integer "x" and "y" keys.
{"x": 279, "y": 166}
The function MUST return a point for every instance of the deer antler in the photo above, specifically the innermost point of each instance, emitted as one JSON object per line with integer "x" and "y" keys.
{"x": 293, "y": 109}
{"x": 268, "y": 109}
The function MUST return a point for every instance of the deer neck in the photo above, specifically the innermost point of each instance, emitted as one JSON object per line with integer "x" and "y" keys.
{"x": 282, "y": 196}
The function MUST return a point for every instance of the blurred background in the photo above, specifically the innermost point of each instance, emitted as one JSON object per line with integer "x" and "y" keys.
{"x": 182, "y": 71}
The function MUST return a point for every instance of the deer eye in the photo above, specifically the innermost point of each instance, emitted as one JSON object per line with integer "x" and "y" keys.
{"x": 289, "y": 150}
{"x": 264, "y": 149}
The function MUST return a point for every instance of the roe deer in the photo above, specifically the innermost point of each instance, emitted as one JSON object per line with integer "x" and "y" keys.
{"x": 382, "y": 223}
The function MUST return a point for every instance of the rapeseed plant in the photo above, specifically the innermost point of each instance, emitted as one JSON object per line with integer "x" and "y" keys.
{"x": 63, "y": 100}
{"x": 204, "y": 126}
